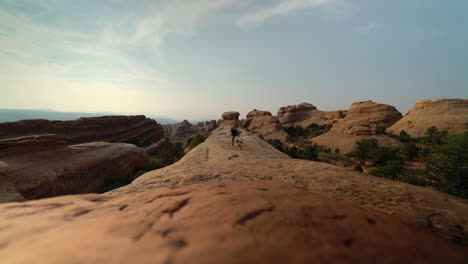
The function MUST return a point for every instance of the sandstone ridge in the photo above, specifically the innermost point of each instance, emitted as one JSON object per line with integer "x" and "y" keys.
{"x": 225, "y": 204}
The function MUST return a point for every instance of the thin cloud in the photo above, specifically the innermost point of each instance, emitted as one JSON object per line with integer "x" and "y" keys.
{"x": 284, "y": 7}
{"x": 368, "y": 28}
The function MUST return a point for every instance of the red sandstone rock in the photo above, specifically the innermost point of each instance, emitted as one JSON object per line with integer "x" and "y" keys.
{"x": 265, "y": 125}
{"x": 305, "y": 114}
{"x": 216, "y": 222}
{"x": 81, "y": 168}
{"x": 367, "y": 118}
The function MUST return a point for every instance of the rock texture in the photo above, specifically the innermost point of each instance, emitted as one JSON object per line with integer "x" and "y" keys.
{"x": 29, "y": 144}
{"x": 58, "y": 169}
{"x": 137, "y": 130}
{"x": 363, "y": 121}
{"x": 216, "y": 222}
{"x": 366, "y": 118}
{"x": 265, "y": 125}
{"x": 305, "y": 114}
{"x": 450, "y": 115}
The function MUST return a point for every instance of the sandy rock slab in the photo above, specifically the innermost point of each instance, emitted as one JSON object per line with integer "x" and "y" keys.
{"x": 216, "y": 222}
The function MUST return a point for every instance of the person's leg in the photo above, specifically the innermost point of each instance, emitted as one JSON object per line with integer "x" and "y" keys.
{"x": 233, "y": 138}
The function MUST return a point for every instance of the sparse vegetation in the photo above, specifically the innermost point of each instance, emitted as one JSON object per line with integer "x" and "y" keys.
{"x": 196, "y": 140}
{"x": 309, "y": 152}
{"x": 443, "y": 157}
{"x": 313, "y": 130}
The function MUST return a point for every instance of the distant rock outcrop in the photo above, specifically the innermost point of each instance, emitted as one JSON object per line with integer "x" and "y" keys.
{"x": 305, "y": 114}
{"x": 222, "y": 204}
{"x": 367, "y": 118}
{"x": 449, "y": 115}
{"x": 183, "y": 129}
{"x": 364, "y": 120}
{"x": 137, "y": 130}
{"x": 41, "y": 166}
{"x": 265, "y": 125}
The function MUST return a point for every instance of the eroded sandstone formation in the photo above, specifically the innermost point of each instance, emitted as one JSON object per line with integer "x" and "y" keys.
{"x": 224, "y": 204}
{"x": 137, "y": 130}
{"x": 449, "y": 115}
{"x": 263, "y": 124}
{"x": 34, "y": 167}
{"x": 367, "y": 118}
{"x": 305, "y": 114}
{"x": 364, "y": 120}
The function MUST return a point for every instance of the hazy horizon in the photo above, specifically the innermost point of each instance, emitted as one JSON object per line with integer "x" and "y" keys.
{"x": 194, "y": 59}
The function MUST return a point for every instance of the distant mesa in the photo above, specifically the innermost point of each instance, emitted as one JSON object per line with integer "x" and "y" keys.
{"x": 305, "y": 114}
{"x": 449, "y": 115}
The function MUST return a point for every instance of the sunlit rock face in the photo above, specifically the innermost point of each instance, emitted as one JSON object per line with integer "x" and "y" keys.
{"x": 265, "y": 125}
{"x": 305, "y": 114}
{"x": 449, "y": 115}
{"x": 367, "y": 118}
{"x": 364, "y": 120}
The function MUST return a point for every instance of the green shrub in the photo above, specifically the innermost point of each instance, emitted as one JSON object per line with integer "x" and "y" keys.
{"x": 433, "y": 136}
{"x": 358, "y": 167}
{"x": 293, "y": 153}
{"x": 380, "y": 155}
{"x": 447, "y": 164}
{"x": 390, "y": 170}
{"x": 197, "y": 140}
{"x": 310, "y": 153}
{"x": 404, "y": 137}
{"x": 276, "y": 143}
{"x": 410, "y": 150}
{"x": 364, "y": 149}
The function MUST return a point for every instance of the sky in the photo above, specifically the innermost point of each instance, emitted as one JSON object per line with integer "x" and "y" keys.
{"x": 194, "y": 59}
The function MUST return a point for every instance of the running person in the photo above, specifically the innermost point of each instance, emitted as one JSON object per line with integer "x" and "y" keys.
{"x": 234, "y": 127}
